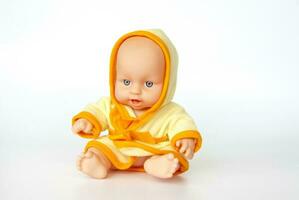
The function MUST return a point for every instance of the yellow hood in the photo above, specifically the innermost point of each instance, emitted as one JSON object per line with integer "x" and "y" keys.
{"x": 171, "y": 62}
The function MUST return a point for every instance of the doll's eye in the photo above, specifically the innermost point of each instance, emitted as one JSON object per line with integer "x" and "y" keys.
{"x": 149, "y": 84}
{"x": 126, "y": 82}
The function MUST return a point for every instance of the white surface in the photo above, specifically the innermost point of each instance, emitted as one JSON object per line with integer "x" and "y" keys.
{"x": 52, "y": 176}
{"x": 238, "y": 78}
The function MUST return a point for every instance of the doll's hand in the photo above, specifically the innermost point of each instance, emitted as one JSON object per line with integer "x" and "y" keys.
{"x": 82, "y": 125}
{"x": 186, "y": 147}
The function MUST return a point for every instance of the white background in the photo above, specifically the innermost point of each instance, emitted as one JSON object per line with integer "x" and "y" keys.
{"x": 238, "y": 78}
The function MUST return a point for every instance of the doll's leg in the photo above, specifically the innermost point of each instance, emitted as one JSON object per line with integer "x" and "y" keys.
{"x": 94, "y": 163}
{"x": 139, "y": 162}
{"x": 163, "y": 166}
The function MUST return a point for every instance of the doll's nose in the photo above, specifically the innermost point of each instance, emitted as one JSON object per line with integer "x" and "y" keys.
{"x": 135, "y": 89}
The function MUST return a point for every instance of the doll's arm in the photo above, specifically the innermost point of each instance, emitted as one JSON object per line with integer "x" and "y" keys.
{"x": 183, "y": 134}
{"x": 92, "y": 119}
{"x": 186, "y": 146}
{"x": 82, "y": 125}
{"x": 86, "y": 125}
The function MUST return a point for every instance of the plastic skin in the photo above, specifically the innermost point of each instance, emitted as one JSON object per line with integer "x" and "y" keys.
{"x": 139, "y": 81}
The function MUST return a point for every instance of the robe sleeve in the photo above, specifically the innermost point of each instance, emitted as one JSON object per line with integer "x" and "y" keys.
{"x": 97, "y": 114}
{"x": 183, "y": 126}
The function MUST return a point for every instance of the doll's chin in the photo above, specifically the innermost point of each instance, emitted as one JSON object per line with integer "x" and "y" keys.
{"x": 139, "y": 107}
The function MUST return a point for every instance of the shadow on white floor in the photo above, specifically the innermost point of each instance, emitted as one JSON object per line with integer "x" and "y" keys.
{"x": 52, "y": 175}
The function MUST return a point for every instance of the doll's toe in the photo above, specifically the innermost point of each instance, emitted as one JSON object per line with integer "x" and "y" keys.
{"x": 88, "y": 154}
{"x": 79, "y": 161}
{"x": 170, "y": 156}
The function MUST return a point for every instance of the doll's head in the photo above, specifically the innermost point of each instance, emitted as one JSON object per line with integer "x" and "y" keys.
{"x": 140, "y": 69}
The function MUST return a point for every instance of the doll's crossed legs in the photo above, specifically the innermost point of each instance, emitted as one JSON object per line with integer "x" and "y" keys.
{"x": 95, "y": 164}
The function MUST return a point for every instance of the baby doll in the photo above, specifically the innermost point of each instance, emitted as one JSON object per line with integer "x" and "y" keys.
{"x": 147, "y": 131}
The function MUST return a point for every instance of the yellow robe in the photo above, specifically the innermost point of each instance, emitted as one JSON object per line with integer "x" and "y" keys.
{"x": 152, "y": 133}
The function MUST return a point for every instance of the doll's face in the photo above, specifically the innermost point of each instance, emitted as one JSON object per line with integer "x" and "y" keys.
{"x": 140, "y": 72}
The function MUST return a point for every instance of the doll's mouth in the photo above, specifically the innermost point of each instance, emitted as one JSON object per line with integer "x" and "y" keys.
{"x": 135, "y": 102}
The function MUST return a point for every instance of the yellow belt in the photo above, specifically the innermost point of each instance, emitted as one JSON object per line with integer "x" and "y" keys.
{"x": 129, "y": 135}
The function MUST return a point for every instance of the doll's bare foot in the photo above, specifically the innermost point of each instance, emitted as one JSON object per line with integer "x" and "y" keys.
{"x": 93, "y": 164}
{"x": 162, "y": 166}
